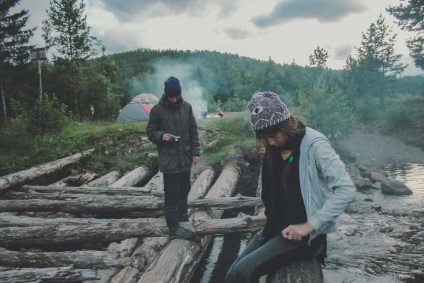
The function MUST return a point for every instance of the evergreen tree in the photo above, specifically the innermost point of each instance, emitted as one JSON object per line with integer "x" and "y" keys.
{"x": 411, "y": 18}
{"x": 66, "y": 29}
{"x": 376, "y": 57}
{"x": 319, "y": 58}
{"x": 13, "y": 42}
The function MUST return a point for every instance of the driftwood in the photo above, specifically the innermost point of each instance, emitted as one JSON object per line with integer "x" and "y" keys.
{"x": 103, "y": 181}
{"x": 78, "y": 259}
{"x": 61, "y": 274}
{"x": 22, "y": 177}
{"x": 152, "y": 247}
{"x": 95, "y": 190}
{"x": 132, "y": 178}
{"x": 75, "y": 203}
{"x": 178, "y": 261}
{"x": 76, "y": 179}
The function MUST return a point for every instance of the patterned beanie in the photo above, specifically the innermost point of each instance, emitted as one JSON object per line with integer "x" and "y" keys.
{"x": 266, "y": 110}
{"x": 172, "y": 87}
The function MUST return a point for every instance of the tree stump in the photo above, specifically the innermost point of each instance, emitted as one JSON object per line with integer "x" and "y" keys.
{"x": 298, "y": 272}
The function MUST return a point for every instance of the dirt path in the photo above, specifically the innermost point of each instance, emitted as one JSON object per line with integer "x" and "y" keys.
{"x": 373, "y": 149}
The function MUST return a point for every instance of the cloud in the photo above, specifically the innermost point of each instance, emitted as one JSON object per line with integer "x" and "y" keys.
{"x": 342, "y": 52}
{"x": 237, "y": 33}
{"x": 321, "y": 10}
{"x": 130, "y": 9}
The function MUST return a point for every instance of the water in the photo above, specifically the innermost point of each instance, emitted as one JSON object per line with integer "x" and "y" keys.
{"x": 224, "y": 249}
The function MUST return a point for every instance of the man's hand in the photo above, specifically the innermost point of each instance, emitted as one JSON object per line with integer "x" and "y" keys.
{"x": 167, "y": 137}
{"x": 195, "y": 159}
{"x": 297, "y": 232}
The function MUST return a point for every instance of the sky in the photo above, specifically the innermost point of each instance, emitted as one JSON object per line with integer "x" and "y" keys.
{"x": 285, "y": 30}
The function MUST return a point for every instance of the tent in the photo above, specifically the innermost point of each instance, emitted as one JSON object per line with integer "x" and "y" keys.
{"x": 138, "y": 109}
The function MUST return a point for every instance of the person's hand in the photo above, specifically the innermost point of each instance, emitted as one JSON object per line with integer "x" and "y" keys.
{"x": 195, "y": 159}
{"x": 297, "y": 232}
{"x": 167, "y": 137}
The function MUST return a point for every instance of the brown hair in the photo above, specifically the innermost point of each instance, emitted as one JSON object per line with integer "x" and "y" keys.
{"x": 294, "y": 129}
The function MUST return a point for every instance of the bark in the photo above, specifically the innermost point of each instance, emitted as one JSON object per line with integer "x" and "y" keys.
{"x": 61, "y": 274}
{"x": 78, "y": 259}
{"x": 302, "y": 271}
{"x": 151, "y": 247}
{"x": 107, "y": 230}
{"x": 103, "y": 181}
{"x": 22, "y": 177}
{"x": 132, "y": 178}
{"x": 178, "y": 261}
{"x": 76, "y": 179}
{"x": 78, "y": 203}
{"x": 96, "y": 190}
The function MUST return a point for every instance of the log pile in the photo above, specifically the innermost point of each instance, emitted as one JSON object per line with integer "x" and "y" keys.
{"x": 107, "y": 230}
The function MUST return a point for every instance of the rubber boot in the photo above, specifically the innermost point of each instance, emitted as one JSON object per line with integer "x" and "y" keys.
{"x": 182, "y": 210}
{"x": 172, "y": 221}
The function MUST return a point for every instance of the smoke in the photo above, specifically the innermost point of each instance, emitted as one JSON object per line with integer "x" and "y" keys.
{"x": 192, "y": 91}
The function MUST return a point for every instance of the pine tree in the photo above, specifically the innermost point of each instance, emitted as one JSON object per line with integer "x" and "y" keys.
{"x": 376, "y": 56}
{"x": 411, "y": 18}
{"x": 319, "y": 58}
{"x": 67, "y": 31}
{"x": 13, "y": 42}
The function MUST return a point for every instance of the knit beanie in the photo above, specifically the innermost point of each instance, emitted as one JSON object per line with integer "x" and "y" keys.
{"x": 172, "y": 87}
{"x": 266, "y": 110}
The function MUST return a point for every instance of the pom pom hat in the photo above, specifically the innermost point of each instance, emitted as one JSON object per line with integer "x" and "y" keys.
{"x": 266, "y": 110}
{"x": 172, "y": 87}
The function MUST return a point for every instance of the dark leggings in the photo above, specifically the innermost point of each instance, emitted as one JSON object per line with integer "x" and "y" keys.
{"x": 257, "y": 259}
{"x": 176, "y": 186}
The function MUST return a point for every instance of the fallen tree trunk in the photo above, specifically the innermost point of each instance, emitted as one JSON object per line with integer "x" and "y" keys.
{"x": 76, "y": 179}
{"x": 152, "y": 247}
{"x": 78, "y": 259}
{"x": 132, "y": 178}
{"x": 104, "y": 180}
{"x": 178, "y": 261}
{"x": 107, "y": 230}
{"x": 62, "y": 274}
{"x": 74, "y": 203}
{"x": 97, "y": 190}
{"x": 22, "y": 177}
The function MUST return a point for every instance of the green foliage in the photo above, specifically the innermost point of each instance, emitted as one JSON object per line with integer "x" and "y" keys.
{"x": 404, "y": 112}
{"x": 326, "y": 110}
{"x": 235, "y": 104}
{"x": 319, "y": 58}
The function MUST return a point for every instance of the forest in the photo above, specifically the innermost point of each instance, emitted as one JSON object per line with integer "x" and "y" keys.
{"x": 82, "y": 83}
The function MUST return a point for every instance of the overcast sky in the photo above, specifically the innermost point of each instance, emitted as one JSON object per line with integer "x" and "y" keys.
{"x": 285, "y": 30}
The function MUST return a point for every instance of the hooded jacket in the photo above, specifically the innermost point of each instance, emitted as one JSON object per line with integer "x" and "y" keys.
{"x": 326, "y": 186}
{"x": 176, "y": 119}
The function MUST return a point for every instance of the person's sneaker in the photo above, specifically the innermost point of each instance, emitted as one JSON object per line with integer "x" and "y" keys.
{"x": 180, "y": 233}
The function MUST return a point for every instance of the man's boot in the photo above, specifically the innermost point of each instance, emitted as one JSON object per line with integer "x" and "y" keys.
{"x": 182, "y": 209}
{"x": 172, "y": 221}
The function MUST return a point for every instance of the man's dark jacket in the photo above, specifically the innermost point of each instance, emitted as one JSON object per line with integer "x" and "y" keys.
{"x": 176, "y": 119}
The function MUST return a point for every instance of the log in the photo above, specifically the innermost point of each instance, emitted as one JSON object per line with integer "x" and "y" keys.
{"x": 78, "y": 259}
{"x": 104, "y": 180}
{"x": 99, "y": 190}
{"x": 151, "y": 247}
{"x": 76, "y": 179}
{"x": 107, "y": 230}
{"x": 22, "y": 177}
{"x": 178, "y": 261}
{"x": 62, "y": 274}
{"x": 132, "y": 178}
{"x": 76, "y": 203}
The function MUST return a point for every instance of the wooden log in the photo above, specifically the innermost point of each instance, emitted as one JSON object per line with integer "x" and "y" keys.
{"x": 75, "y": 203}
{"x": 302, "y": 271}
{"x": 152, "y": 247}
{"x": 104, "y": 180}
{"x": 132, "y": 178}
{"x": 78, "y": 259}
{"x": 61, "y": 274}
{"x": 178, "y": 261}
{"x": 107, "y": 230}
{"x": 22, "y": 177}
{"x": 100, "y": 190}
{"x": 76, "y": 179}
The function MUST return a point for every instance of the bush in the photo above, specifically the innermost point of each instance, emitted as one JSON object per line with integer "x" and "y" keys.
{"x": 48, "y": 116}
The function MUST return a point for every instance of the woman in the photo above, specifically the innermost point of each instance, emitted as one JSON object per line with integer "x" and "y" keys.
{"x": 305, "y": 187}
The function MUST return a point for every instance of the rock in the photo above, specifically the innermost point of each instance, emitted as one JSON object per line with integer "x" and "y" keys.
{"x": 377, "y": 176}
{"x": 376, "y": 185}
{"x": 395, "y": 187}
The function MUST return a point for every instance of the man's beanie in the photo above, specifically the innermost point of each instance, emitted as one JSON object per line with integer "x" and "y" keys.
{"x": 266, "y": 110}
{"x": 172, "y": 87}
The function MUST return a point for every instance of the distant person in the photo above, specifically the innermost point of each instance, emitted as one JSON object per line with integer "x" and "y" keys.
{"x": 172, "y": 127}
{"x": 305, "y": 187}
{"x": 220, "y": 113}
{"x": 204, "y": 114}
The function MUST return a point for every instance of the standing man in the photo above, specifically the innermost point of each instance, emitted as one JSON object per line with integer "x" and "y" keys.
{"x": 172, "y": 127}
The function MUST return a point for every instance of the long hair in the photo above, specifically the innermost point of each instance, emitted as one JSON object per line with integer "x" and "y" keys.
{"x": 294, "y": 129}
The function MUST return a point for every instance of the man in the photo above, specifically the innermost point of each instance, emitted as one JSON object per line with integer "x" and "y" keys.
{"x": 172, "y": 127}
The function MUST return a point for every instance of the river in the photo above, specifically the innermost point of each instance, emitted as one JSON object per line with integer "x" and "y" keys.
{"x": 224, "y": 249}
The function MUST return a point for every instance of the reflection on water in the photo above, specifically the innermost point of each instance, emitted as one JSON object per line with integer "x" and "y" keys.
{"x": 411, "y": 175}
{"x": 224, "y": 249}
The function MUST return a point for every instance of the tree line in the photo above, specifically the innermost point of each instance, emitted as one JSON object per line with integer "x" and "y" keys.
{"x": 83, "y": 83}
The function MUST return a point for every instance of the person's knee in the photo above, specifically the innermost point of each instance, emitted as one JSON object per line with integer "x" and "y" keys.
{"x": 241, "y": 273}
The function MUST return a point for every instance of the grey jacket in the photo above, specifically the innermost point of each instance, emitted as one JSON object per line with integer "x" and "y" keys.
{"x": 326, "y": 186}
